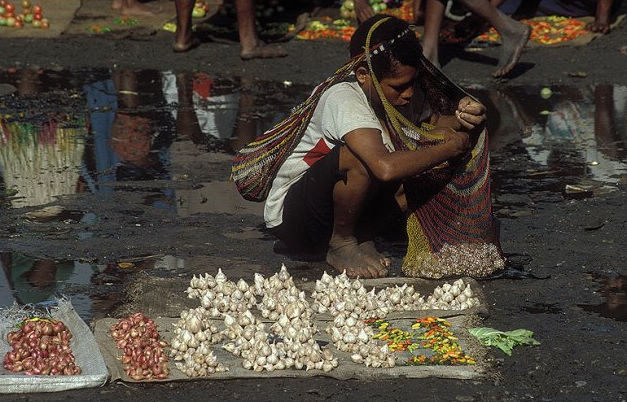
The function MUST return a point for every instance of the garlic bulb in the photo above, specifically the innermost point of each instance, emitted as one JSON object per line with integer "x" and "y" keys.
{"x": 190, "y": 346}
{"x": 191, "y": 331}
{"x": 200, "y": 363}
{"x": 353, "y": 336}
{"x": 219, "y": 295}
{"x": 455, "y": 296}
{"x": 341, "y": 295}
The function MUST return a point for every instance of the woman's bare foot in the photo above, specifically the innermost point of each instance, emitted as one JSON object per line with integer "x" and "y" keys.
{"x": 513, "y": 44}
{"x": 369, "y": 250}
{"x": 345, "y": 255}
{"x": 262, "y": 51}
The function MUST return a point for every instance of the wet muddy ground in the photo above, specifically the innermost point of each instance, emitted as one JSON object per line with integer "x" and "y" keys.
{"x": 116, "y": 180}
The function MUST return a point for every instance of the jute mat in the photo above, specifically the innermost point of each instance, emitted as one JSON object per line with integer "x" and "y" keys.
{"x": 460, "y": 321}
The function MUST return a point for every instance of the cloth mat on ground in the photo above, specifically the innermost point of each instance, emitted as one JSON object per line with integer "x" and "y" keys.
{"x": 553, "y": 31}
{"x": 84, "y": 347}
{"x": 460, "y": 320}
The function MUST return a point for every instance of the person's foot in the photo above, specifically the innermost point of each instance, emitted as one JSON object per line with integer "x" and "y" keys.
{"x": 345, "y": 255}
{"x": 263, "y": 51}
{"x": 513, "y": 45}
{"x": 185, "y": 45}
{"x": 602, "y": 27}
{"x": 370, "y": 252}
{"x": 138, "y": 9}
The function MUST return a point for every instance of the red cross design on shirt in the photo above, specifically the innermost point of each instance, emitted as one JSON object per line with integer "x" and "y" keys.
{"x": 316, "y": 153}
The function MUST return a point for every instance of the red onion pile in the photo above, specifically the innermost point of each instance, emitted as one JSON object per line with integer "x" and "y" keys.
{"x": 138, "y": 338}
{"x": 41, "y": 347}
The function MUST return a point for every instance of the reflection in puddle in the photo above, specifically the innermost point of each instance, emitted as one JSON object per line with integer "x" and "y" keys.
{"x": 93, "y": 288}
{"x": 572, "y": 143}
{"x": 614, "y": 292}
{"x": 129, "y": 127}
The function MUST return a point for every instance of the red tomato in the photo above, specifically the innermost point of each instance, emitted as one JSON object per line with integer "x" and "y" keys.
{"x": 9, "y": 7}
{"x": 3, "y": 3}
{"x": 36, "y": 8}
{"x": 37, "y": 16}
{"x": 18, "y": 24}
{"x": 45, "y": 25}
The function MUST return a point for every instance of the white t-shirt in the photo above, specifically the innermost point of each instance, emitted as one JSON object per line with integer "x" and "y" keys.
{"x": 340, "y": 110}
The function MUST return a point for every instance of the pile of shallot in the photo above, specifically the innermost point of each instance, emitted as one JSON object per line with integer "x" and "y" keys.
{"x": 144, "y": 357}
{"x": 41, "y": 347}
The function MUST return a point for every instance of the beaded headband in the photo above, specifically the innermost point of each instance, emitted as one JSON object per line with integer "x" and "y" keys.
{"x": 384, "y": 46}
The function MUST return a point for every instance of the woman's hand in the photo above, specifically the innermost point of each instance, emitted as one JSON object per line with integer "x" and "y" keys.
{"x": 470, "y": 113}
{"x": 457, "y": 142}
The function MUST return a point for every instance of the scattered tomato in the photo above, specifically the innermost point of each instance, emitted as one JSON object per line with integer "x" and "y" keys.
{"x": 18, "y": 24}
{"x": 37, "y": 16}
{"x": 9, "y": 7}
{"x": 25, "y": 4}
{"x": 10, "y": 21}
{"x": 28, "y": 18}
{"x": 37, "y": 8}
{"x": 3, "y": 21}
{"x": 36, "y": 24}
{"x": 2, "y": 10}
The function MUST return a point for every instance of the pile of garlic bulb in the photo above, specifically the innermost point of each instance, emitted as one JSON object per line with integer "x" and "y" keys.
{"x": 475, "y": 260}
{"x": 219, "y": 295}
{"x": 458, "y": 296}
{"x": 190, "y": 346}
{"x": 353, "y": 336}
{"x": 200, "y": 362}
{"x": 297, "y": 328}
{"x": 280, "y": 295}
{"x": 191, "y": 329}
{"x": 341, "y": 295}
{"x": 295, "y": 349}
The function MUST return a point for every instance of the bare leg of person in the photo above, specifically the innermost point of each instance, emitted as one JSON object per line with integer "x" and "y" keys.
{"x": 349, "y": 197}
{"x": 184, "y": 39}
{"x": 601, "y": 22}
{"x": 433, "y": 20}
{"x": 251, "y": 46}
{"x": 417, "y": 11}
{"x": 514, "y": 34}
{"x": 187, "y": 125}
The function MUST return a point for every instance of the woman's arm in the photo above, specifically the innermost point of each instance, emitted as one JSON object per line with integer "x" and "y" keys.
{"x": 387, "y": 166}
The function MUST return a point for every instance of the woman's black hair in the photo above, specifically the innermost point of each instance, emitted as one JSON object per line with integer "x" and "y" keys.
{"x": 405, "y": 50}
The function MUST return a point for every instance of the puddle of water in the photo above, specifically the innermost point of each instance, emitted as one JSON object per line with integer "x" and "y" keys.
{"x": 614, "y": 293}
{"x": 110, "y": 132}
{"x": 572, "y": 144}
{"x": 95, "y": 289}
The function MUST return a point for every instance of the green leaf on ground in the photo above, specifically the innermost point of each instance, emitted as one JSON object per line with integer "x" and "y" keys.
{"x": 504, "y": 340}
